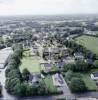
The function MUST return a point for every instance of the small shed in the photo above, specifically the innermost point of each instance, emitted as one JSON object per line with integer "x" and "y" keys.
{"x": 94, "y": 76}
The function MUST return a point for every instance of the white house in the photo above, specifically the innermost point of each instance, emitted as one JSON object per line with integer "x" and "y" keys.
{"x": 94, "y": 76}
{"x": 57, "y": 80}
{"x": 78, "y": 56}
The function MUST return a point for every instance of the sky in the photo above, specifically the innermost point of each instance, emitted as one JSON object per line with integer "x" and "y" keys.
{"x": 47, "y": 7}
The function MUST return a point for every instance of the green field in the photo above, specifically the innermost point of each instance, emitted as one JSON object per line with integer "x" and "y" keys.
{"x": 49, "y": 84}
{"x": 91, "y": 85}
{"x": 30, "y": 62}
{"x": 91, "y": 43}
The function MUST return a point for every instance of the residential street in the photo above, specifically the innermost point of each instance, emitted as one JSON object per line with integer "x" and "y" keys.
{"x": 67, "y": 93}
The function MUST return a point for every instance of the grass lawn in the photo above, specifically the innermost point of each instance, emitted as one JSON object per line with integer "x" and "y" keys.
{"x": 49, "y": 84}
{"x": 91, "y": 85}
{"x": 31, "y": 63}
{"x": 91, "y": 43}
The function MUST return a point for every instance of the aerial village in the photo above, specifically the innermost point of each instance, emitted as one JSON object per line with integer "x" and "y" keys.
{"x": 49, "y": 58}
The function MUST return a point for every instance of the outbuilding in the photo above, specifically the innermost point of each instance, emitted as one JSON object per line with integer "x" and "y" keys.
{"x": 94, "y": 76}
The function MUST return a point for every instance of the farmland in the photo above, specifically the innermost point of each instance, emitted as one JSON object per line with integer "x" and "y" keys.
{"x": 91, "y": 43}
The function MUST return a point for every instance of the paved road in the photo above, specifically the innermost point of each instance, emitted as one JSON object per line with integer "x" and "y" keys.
{"x": 66, "y": 91}
{"x": 87, "y": 94}
{"x": 31, "y": 98}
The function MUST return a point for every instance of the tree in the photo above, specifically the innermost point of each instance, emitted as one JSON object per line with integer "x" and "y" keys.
{"x": 17, "y": 46}
{"x": 42, "y": 89}
{"x": 11, "y": 83}
{"x": 29, "y": 90}
{"x": 77, "y": 85}
{"x": 80, "y": 66}
{"x": 7, "y": 71}
{"x": 26, "y": 74}
{"x": 14, "y": 79}
{"x": 70, "y": 74}
{"x": 16, "y": 58}
{"x": 13, "y": 73}
{"x": 20, "y": 89}
{"x": 69, "y": 67}
{"x": 13, "y": 63}
{"x": 95, "y": 63}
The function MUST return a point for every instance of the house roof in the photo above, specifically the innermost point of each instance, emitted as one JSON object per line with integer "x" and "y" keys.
{"x": 95, "y": 74}
{"x": 89, "y": 61}
{"x": 47, "y": 65}
{"x": 78, "y": 54}
{"x": 61, "y": 64}
{"x": 34, "y": 77}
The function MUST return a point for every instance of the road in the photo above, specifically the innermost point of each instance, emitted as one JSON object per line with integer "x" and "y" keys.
{"x": 4, "y": 53}
{"x": 87, "y": 94}
{"x": 66, "y": 91}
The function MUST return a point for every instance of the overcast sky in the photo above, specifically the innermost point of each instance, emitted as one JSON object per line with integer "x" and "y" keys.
{"x": 43, "y": 7}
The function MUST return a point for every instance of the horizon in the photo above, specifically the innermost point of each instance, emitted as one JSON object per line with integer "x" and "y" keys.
{"x": 44, "y": 15}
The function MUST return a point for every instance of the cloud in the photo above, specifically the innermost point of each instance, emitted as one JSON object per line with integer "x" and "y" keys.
{"x": 21, "y": 7}
{"x": 7, "y": 1}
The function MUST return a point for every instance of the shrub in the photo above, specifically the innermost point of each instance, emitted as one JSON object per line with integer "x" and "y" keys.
{"x": 77, "y": 85}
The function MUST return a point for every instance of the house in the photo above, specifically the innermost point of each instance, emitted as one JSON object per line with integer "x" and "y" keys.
{"x": 69, "y": 60}
{"x": 55, "y": 50}
{"x": 89, "y": 61}
{"x": 94, "y": 76}
{"x": 60, "y": 64}
{"x": 46, "y": 65}
{"x": 35, "y": 78}
{"x": 57, "y": 80}
{"x": 65, "y": 52}
{"x": 78, "y": 56}
{"x": 46, "y": 51}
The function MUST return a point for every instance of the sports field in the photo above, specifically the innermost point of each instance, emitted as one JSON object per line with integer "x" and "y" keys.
{"x": 91, "y": 43}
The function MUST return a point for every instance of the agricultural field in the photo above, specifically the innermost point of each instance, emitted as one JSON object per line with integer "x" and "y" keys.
{"x": 31, "y": 63}
{"x": 91, "y": 43}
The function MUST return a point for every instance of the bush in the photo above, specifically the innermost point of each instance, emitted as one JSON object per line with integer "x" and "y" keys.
{"x": 77, "y": 85}
{"x": 70, "y": 74}
{"x": 95, "y": 63}
{"x": 10, "y": 84}
{"x": 25, "y": 74}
